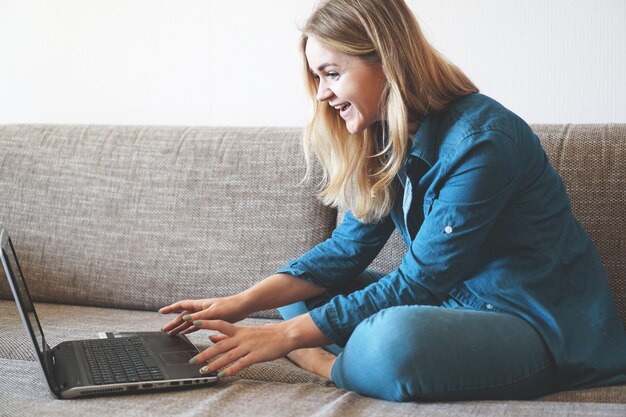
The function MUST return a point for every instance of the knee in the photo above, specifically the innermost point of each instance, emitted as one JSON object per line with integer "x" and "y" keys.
{"x": 386, "y": 355}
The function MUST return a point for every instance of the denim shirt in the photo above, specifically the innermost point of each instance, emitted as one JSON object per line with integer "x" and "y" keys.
{"x": 487, "y": 221}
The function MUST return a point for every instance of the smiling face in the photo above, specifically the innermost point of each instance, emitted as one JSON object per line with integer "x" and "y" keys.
{"x": 351, "y": 85}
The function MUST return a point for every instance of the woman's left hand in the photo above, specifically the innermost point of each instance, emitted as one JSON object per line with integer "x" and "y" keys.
{"x": 242, "y": 346}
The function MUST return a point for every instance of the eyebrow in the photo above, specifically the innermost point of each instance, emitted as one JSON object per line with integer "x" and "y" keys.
{"x": 324, "y": 65}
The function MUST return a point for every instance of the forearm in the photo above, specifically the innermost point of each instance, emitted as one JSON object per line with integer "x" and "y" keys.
{"x": 277, "y": 291}
{"x": 340, "y": 315}
{"x": 301, "y": 332}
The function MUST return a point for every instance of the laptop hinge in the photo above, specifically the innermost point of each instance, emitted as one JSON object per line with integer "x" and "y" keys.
{"x": 50, "y": 362}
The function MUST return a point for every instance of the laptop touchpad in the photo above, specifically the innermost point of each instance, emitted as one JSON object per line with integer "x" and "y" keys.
{"x": 177, "y": 358}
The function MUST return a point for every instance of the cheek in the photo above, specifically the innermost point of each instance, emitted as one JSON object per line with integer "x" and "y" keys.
{"x": 371, "y": 98}
{"x": 369, "y": 106}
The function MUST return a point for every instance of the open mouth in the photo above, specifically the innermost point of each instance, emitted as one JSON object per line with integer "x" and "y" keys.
{"x": 343, "y": 109}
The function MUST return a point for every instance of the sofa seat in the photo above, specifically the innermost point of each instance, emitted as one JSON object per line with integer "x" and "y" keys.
{"x": 292, "y": 391}
{"x": 70, "y": 322}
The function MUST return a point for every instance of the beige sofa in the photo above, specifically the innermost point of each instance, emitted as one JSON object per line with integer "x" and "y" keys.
{"x": 113, "y": 222}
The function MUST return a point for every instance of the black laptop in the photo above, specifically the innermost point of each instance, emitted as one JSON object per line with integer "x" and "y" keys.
{"x": 119, "y": 363}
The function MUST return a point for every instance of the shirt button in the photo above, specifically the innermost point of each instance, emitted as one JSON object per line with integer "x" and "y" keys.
{"x": 447, "y": 229}
{"x": 489, "y": 306}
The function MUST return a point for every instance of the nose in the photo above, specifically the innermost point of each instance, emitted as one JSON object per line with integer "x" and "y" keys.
{"x": 323, "y": 92}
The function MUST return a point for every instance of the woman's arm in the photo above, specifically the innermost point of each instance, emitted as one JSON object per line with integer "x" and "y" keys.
{"x": 277, "y": 291}
{"x": 274, "y": 291}
{"x": 480, "y": 180}
{"x": 331, "y": 263}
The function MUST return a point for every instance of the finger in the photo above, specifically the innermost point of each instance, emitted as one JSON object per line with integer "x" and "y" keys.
{"x": 226, "y": 359}
{"x": 181, "y": 327}
{"x": 238, "y": 366}
{"x": 219, "y": 325}
{"x": 216, "y": 338}
{"x": 189, "y": 330}
{"x": 212, "y": 351}
{"x": 180, "y": 305}
{"x": 191, "y": 305}
{"x": 178, "y": 321}
{"x": 199, "y": 314}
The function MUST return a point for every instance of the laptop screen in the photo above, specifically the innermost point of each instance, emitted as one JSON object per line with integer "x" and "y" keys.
{"x": 22, "y": 296}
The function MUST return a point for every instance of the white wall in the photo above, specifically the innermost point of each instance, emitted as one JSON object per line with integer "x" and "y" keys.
{"x": 234, "y": 62}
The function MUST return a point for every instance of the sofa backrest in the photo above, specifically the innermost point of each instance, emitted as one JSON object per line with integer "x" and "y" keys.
{"x": 139, "y": 217}
{"x": 592, "y": 162}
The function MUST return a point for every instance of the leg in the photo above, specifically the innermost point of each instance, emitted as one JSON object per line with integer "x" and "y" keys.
{"x": 320, "y": 360}
{"x": 316, "y": 360}
{"x": 438, "y": 354}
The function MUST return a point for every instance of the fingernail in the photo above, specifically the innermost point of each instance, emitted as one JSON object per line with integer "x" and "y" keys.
{"x": 193, "y": 360}
{"x": 187, "y": 317}
{"x": 204, "y": 369}
{"x": 196, "y": 323}
{"x": 221, "y": 374}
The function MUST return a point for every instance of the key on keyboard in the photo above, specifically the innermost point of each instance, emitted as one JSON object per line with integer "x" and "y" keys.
{"x": 120, "y": 360}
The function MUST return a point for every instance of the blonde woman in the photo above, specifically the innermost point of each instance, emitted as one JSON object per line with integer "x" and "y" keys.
{"x": 500, "y": 295}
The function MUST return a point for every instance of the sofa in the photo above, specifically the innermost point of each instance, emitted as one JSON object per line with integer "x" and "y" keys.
{"x": 113, "y": 222}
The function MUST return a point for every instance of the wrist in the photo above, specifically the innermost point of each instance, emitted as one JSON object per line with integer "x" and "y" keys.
{"x": 245, "y": 303}
{"x": 302, "y": 332}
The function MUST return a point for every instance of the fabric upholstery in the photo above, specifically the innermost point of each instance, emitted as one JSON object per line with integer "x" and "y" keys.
{"x": 278, "y": 388}
{"x": 63, "y": 322}
{"x": 133, "y": 218}
{"x": 139, "y": 217}
{"x": 24, "y": 393}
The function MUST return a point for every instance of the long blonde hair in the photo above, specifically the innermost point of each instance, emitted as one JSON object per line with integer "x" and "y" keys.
{"x": 359, "y": 169}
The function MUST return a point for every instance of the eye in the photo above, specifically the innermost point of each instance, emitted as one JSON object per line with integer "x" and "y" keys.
{"x": 333, "y": 75}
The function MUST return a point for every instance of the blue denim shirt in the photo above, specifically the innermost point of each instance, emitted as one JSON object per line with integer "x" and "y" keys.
{"x": 486, "y": 220}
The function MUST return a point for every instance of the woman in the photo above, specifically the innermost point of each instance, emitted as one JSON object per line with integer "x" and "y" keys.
{"x": 500, "y": 295}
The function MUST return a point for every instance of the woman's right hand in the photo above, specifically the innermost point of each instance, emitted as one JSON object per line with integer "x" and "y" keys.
{"x": 230, "y": 309}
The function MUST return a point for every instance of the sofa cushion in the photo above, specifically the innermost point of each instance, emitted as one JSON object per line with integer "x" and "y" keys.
{"x": 23, "y": 394}
{"x": 63, "y": 322}
{"x": 139, "y": 217}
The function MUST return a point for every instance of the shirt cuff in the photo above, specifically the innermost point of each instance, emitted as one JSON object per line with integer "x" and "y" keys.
{"x": 325, "y": 318}
{"x": 292, "y": 269}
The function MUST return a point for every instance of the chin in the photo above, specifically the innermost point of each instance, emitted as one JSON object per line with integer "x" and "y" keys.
{"x": 356, "y": 129}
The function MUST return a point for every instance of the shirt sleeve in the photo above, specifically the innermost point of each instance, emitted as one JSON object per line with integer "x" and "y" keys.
{"x": 346, "y": 254}
{"x": 477, "y": 182}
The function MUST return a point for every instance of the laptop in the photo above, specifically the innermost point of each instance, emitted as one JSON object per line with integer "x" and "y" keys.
{"x": 120, "y": 363}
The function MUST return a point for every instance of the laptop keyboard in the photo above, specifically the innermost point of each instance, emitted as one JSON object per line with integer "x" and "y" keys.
{"x": 120, "y": 360}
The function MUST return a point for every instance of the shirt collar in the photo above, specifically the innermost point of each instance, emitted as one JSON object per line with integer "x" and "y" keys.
{"x": 424, "y": 144}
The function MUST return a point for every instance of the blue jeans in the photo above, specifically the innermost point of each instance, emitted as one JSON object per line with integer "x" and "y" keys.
{"x": 446, "y": 353}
